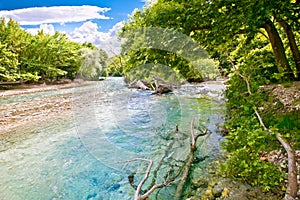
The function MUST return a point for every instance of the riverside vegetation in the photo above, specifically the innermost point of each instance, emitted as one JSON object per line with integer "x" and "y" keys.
{"x": 44, "y": 57}
{"x": 254, "y": 43}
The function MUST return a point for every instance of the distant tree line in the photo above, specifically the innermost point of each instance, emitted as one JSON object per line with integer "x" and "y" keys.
{"x": 42, "y": 57}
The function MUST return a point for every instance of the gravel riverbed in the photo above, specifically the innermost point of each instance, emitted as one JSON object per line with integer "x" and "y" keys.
{"x": 26, "y": 116}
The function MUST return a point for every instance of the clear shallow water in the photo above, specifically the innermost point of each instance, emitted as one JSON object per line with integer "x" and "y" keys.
{"x": 82, "y": 159}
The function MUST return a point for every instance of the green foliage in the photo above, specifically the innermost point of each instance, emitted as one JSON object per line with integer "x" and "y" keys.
{"x": 247, "y": 139}
{"x": 148, "y": 72}
{"x": 93, "y": 64}
{"x": 115, "y": 66}
{"x": 287, "y": 123}
{"x": 246, "y": 166}
{"x": 41, "y": 57}
{"x": 182, "y": 68}
{"x": 8, "y": 64}
{"x": 163, "y": 46}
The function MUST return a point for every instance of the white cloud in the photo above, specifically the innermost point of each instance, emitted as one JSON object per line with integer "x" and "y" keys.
{"x": 88, "y": 32}
{"x": 114, "y": 30}
{"x": 87, "y": 28}
{"x": 47, "y": 28}
{"x": 55, "y": 14}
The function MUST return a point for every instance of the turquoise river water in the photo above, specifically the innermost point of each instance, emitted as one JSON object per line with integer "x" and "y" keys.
{"x": 84, "y": 157}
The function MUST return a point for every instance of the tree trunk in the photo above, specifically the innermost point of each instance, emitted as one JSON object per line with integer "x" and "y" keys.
{"x": 293, "y": 45}
{"x": 278, "y": 49}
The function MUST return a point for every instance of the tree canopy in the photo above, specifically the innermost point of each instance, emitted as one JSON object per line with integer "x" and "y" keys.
{"x": 219, "y": 25}
{"x": 25, "y": 57}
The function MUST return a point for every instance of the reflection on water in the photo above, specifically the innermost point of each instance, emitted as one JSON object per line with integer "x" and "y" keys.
{"x": 81, "y": 159}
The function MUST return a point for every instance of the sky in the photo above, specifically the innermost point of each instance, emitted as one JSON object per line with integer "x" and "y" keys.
{"x": 95, "y": 21}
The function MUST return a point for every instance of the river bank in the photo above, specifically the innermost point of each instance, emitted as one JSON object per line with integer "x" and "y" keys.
{"x": 28, "y": 114}
{"x": 40, "y": 87}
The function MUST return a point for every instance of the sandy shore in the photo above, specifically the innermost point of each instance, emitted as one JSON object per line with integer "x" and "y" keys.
{"x": 32, "y": 88}
{"x": 21, "y": 117}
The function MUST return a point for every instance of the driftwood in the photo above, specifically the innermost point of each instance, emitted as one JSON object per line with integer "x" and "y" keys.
{"x": 139, "y": 84}
{"x": 162, "y": 89}
{"x": 161, "y": 86}
{"x": 142, "y": 85}
{"x": 138, "y": 188}
{"x": 168, "y": 150}
{"x": 292, "y": 185}
{"x": 141, "y": 194}
{"x": 190, "y": 160}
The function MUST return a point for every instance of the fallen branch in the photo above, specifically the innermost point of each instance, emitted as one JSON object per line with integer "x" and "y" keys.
{"x": 157, "y": 186}
{"x": 292, "y": 185}
{"x": 141, "y": 195}
{"x": 141, "y": 85}
{"x": 138, "y": 191}
{"x": 139, "y": 187}
{"x": 161, "y": 86}
{"x": 189, "y": 162}
{"x": 160, "y": 163}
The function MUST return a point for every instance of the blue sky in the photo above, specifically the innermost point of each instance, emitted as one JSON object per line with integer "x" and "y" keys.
{"x": 93, "y": 21}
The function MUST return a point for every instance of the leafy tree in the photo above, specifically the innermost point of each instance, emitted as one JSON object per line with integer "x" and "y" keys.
{"x": 41, "y": 57}
{"x": 8, "y": 64}
{"x": 93, "y": 65}
{"x": 217, "y": 24}
{"x": 167, "y": 54}
{"x": 115, "y": 66}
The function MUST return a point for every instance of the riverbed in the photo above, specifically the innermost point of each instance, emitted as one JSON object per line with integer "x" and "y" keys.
{"x": 72, "y": 143}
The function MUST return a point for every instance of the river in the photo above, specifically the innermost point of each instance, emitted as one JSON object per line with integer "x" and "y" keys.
{"x": 86, "y": 156}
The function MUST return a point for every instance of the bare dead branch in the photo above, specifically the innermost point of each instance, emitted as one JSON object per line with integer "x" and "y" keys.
{"x": 157, "y": 186}
{"x": 292, "y": 186}
{"x": 248, "y": 88}
{"x": 137, "y": 195}
{"x": 193, "y": 132}
{"x": 189, "y": 162}
{"x": 138, "y": 190}
{"x": 139, "y": 187}
{"x": 169, "y": 181}
{"x": 238, "y": 73}
{"x": 169, "y": 147}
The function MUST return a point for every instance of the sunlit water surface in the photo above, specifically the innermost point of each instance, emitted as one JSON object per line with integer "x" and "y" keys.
{"x": 83, "y": 158}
